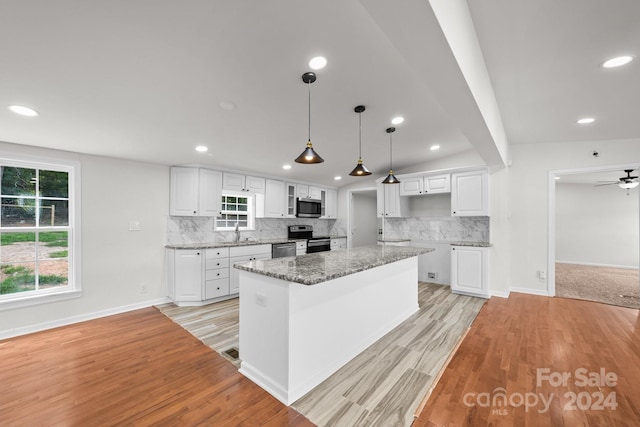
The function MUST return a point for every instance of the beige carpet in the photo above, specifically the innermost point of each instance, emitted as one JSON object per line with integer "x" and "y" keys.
{"x": 615, "y": 286}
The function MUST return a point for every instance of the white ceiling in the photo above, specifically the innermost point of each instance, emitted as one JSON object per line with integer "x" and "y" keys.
{"x": 144, "y": 79}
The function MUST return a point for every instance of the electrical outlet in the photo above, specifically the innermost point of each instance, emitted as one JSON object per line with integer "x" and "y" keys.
{"x": 143, "y": 288}
{"x": 134, "y": 225}
{"x": 261, "y": 300}
{"x": 542, "y": 275}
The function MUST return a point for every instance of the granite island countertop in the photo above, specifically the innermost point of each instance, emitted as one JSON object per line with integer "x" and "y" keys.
{"x": 311, "y": 269}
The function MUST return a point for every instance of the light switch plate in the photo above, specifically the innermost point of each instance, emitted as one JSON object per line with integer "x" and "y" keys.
{"x": 134, "y": 225}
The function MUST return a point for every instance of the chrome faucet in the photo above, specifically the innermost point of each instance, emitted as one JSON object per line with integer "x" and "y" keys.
{"x": 236, "y": 238}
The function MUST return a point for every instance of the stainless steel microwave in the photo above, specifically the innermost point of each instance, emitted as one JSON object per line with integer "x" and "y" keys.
{"x": 308, "y": 208}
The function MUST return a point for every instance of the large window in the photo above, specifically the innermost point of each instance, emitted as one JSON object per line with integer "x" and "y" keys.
{"x": 235, "y": 210}
{"x": 36, "y": 230}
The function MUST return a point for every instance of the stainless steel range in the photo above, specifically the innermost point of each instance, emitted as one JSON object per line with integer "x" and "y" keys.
{"x": 314, "y": 243}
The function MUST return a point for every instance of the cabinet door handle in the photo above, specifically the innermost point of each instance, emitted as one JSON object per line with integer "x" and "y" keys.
{"x": 197, "y": 253}
{"x": 218, "y": 288}
{"x": 218, "y": 274}
{"x": 218, "y": 264}
{"x": 218, "y": 253}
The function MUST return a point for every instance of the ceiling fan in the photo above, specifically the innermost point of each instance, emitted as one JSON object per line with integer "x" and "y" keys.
{"x": 626, "y": 182}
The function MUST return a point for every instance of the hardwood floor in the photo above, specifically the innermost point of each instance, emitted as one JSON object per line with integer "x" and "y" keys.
{"x": 512, "y": 339}
{"x": 136, "y": 368}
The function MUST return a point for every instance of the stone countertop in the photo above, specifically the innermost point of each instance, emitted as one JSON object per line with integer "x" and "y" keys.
{"x": 212, "y": 245}
{"x": 472, "y": 244}
{"x": 311, "y": 269}
{"x": 393, "y": 240}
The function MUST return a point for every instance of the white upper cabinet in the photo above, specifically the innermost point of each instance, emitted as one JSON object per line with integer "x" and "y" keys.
{"x": 428, "y": 184}
{"x": 291, "y": 199}
{"x": 194, "y": 192}
{"x": 308, "y": 192}
{"x": 210, "y": 192}
{"x": 331, "y": 203}
{"x": 411, "y": 186}
{"x": 470, "y": 193}
{"x": 275, "y": 199}
{"x": 437, "y": 184}
{"x": 237, "y": 182}
{"x": 389, "y": 203}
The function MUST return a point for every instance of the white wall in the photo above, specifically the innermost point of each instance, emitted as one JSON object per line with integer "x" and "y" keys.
{"x": 528, "y": 198}
{"x": 115, "y": 262}
{"x": 366, "y": 219}
{"x": 596, "y": 225}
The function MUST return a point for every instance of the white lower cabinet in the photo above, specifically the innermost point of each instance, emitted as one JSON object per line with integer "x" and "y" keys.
{"x": 244, "y": 254}
{"x": 470, "y": 270}
{"x": 197, "y": 276}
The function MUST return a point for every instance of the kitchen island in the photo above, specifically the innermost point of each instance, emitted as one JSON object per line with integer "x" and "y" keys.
{"x": 304, "y": 317}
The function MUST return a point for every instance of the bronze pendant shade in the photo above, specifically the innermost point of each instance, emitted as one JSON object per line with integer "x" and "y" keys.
{"x": 391, "y": 178}
{"x": 309, "y": 155}
{"x": 360, "y": 169}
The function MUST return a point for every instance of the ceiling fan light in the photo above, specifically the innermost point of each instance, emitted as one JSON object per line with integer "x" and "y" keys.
{"x": 309, "y": 155}
{"x": 628, "y": 185}
{"x": 360, "y": 170}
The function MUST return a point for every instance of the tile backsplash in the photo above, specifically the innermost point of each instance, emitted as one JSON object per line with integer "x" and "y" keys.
{"x": 463, "y": 229}
{"x": 184, "y": 229}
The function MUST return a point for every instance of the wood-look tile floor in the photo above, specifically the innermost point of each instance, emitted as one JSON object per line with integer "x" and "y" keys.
{"x": 216, "y": 325}
{"x": 382, "y": 386}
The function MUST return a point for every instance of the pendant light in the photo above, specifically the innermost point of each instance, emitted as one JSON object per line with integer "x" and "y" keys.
{"x": 360, "y": 169}
{"x": 391, "y": 178}
{"x": 309, "y": 155}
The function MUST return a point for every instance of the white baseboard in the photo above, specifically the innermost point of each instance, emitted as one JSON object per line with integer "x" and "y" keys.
{"x": 500, "y": 294}
{"x": 9, "y": 333}
{"x": 543, "y": 293}
{"x": 593, "y": 264}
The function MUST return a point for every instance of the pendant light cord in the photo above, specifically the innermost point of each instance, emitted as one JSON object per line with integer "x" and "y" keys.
{"x": 390, "y": 152}
{"x": 360, "y": 136}
{"x": 309, "y": 109}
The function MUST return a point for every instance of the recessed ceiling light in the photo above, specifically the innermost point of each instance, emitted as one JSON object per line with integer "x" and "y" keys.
{"x": 586, "y": 120}
{"x": 337, "y": 178}
{"x": 286, "y": 167}
{"x": 434, "y": 147}
{"x": 397, "y": 120}
{"x": 557, "y": 177}
{"x": 23, "y": 111}
{"x": 201, "y": 149}
{"x": 227, "y": 105}
{"x": 618, "y": 61}
{"x": 318, "y": 63}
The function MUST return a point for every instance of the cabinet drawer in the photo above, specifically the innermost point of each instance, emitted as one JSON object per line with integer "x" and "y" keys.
{"x": 213, "y": 263}
{"x": 218, "y": 273}
{"x": 259, "y": 251}
{"x": 216, "y": 288}
{"x": 217, "y": 253}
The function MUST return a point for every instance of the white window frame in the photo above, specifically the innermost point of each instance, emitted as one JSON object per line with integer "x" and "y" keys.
{"x": 251, "y": 211}
{"x": 73, "y": 289}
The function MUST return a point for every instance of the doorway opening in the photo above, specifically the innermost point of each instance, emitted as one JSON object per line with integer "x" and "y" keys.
{"x": 364, "y": 224}
{"x": 594, "y": 237}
